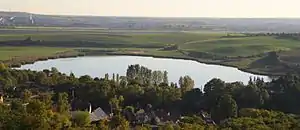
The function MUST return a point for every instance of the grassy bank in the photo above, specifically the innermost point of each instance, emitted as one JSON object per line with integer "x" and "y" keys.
{"x": 16, "y": 56}
{"x": 8, "y": 53}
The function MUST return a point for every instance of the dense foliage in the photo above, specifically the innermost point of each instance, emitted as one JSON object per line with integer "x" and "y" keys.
{"x": 46, "y": 99}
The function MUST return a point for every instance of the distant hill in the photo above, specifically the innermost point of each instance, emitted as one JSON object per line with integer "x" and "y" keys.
{"x": 17, "y": 14}
{"x": 206, "y": 24}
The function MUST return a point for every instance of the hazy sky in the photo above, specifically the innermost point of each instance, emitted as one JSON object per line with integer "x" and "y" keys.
{"x": 159, "y": 8}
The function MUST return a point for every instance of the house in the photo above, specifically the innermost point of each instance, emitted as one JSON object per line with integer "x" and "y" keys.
{"x": 96, "y": 115}
{"x": 207, "y": 119}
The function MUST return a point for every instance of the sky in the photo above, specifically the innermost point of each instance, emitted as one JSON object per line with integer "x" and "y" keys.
{"x": 159, "y": 8}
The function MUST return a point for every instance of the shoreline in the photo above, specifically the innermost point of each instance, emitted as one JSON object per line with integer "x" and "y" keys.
{"x": 17, "y": 63}
{"x": 193, "y": 59}
{"x": 150, "y": 55}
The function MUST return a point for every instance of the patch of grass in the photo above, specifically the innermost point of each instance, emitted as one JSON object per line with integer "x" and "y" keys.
{"x": 245, "y": 46}
{"x": 162, "y": 38}
{"x": 165, "y": 53}
{"x": 211, "y": 42}
{"x": 244, "y": 63}
{"x": 173, "y": 38}
{"x": 7, "y": 53}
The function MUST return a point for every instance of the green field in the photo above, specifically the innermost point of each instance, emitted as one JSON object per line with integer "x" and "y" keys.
{"x": 7, "y": 53}
{"x": 209, "y": 47}
{"x": 242, "y": 46}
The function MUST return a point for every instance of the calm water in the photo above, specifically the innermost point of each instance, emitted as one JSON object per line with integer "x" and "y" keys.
{"x": 100, "y": 65}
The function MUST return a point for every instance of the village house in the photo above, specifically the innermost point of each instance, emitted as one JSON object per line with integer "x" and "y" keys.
{"x": 96, "y": 115}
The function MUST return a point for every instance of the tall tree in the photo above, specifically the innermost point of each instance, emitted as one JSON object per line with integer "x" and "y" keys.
{"x": 165, "y": 80}
{"x": 157, "y": 77}
{"x": 114, "y": 77}
{"x": 212, "y": 91}
{"x": 118, "y": 79}
{"x": 106, "y": 77}
{"x": 226, "y": 107}
{"x": 186, "y": 84}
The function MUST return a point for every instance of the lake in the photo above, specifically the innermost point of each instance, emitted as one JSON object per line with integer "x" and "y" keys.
{"x": 98, "y": 66}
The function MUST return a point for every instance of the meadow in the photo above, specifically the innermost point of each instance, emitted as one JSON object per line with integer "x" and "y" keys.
{"x": 213, "y": 47}
{"x": 7, "y": 53}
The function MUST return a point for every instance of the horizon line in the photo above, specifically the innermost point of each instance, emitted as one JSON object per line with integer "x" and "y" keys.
{"x": 128, "y": 16}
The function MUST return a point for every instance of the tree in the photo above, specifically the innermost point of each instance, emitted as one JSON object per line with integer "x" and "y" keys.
{"x": 17, "y": 106}
{"x": 81, "y": 118}
{"x": 54, "y": 70}
{"x": 106, "y": 77}
{"x": 26, "y": 95}
{"x": 36, "y": 116}
{"x": 85, "y": 79}
{"x": 131, "y": 72}
{"x": 214, "y": 86}
{"x": 2, "y": 67}
{"x": 244, "y": 123}
{"x": 212, "y": 91}
{"x": 42, "y": 78}
{"x": 62, "y": 103}
{"x": 285, "y": 94}
{"x": 47, "y": 100}
{"x": 118, "y": 79}
{"x": 59, "y": 121}
{"x": 261, "y": 119}
{"x": 54, "y": 76}
{"x": 219, "y": 98}
{"x": 251, "y": 97}
{"x": 119, "y": 122}
{"x": 129, "y": 113}
{"x": 123, "y": 82}
{"x": 157, "y": 77}
{"x": 115, "y": 104}
{"x": 192, "y": 120}
{"x": 165, "y": 79}
{"x": 73, "y": 79}
{"x": 103, "y": 125}
{"x": 186, "y": 84}
{"x": 114, "y": 77}
{"x": 226, "y": 107}
{"x": 72, "y": 75}
{"x": 144, "y": 127}
{"x": 192, "y": 101}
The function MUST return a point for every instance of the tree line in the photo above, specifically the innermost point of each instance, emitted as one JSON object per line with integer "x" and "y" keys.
{"x": 45, "y": 99}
